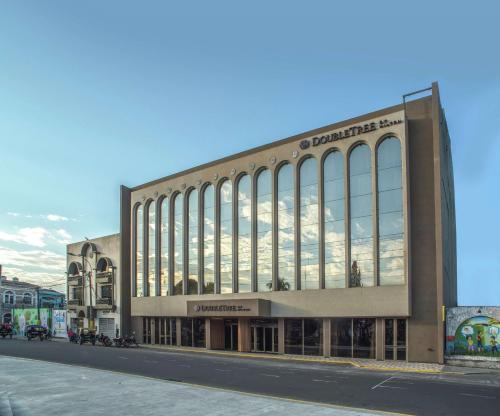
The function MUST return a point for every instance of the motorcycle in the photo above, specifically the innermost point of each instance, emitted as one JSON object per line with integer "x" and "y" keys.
{"x": 104, "y": 340}
{"x": 119, "y": 342}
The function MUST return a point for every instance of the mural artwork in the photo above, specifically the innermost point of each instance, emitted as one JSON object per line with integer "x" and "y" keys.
{"x": 21, "y": 318}
{"x": 478, "y": 335}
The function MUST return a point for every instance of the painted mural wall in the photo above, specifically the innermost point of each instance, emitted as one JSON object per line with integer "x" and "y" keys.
{"x": 21, "y": 318}
{"x": 473, "y": 331}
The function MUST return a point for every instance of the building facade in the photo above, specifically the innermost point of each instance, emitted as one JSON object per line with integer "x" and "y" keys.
{"x": 51, "y": 299}
{"x": 94, "y": 284}
{"x": 15, "y": 294}
{"x": 335, "y": 242}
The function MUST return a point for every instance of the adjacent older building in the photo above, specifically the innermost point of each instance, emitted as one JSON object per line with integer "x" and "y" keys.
{"x": 337, "y": 242}
{"x": 93, "y": 285}
{"x": 15, "y": 294}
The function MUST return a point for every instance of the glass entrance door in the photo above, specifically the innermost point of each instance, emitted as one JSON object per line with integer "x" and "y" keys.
{"x": 231, "y": 334}
{"x": 264, "y": 335}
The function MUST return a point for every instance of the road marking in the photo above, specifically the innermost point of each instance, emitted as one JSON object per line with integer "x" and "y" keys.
{"x": 477, "y": 395}
{"x": 222, "y": 370}
{"x": 270, "y": 375}
{"x": 393, "y": 387}
{"x": 382, "y": 382}
{"x": 123, "y": 358}
{"x": 151, "y": 361}
{"x": 324, "y": 381}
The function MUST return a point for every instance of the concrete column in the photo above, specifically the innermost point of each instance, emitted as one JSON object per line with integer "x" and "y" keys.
{"x": 137, "y": 327}
{"x": 153, "y": 330}
{"x": 327, "y": 337}
{"x": 208, "y": 344}
{"x": 281, "y": 336}
{"x": 379, "y": 339}
{"x": 178, "y": 330}
{"x": 244, "y": 337}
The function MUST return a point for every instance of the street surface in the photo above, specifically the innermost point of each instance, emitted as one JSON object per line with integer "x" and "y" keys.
{"x": 478, "y": 391}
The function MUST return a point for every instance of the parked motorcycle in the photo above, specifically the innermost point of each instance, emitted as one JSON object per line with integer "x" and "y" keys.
{"x": 119, "y": 342}
{"x": 131, "y": 341}
{"x": 104, "y": 340}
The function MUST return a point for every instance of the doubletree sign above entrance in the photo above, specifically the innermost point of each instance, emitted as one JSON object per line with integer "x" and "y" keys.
{"x": 229, "y": 307}
{"x": 349, "y": 132}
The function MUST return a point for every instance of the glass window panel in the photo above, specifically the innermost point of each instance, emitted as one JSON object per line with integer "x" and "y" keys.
{"x": 390, "y": 215}
{"x": 341, "y": 337}
{"x": 199, "y": 332}
{"x": 389, "y": 339}
{"x": 139, "y": 251}
{"x": 334, "y": 220}
{"x": 187, "y": 332}
{"x": 313, "y": 336}
{"x": 309, "y": 226}
{"x": 294, "y": 336}
{"x": 361, "y": 241}
{"x": 193, "y": 243}
{"x": 178, "y": 244}
{"x": 401, "y": 340}
{"x": 264, "y": 232}
{"x": 286, "y": 229}
{"x": 151, "y": 290}
{"x": 164, "y": 218}
{"x": 226, "y": 237}
{"x": 364, "y": 338}
{"x": 244, "y": 234}
{"x": 208, "y": 240}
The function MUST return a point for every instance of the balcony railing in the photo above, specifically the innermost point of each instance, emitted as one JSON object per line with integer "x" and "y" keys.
{"x": 75, "y": 302}
{"x": 75, "y": 280}
{"x": 104, "y": 301}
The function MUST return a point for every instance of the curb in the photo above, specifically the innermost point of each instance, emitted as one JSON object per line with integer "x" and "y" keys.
{"x": 304, "y": 360}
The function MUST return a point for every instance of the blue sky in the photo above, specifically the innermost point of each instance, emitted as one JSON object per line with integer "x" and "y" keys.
{"x": 98, "y": 94}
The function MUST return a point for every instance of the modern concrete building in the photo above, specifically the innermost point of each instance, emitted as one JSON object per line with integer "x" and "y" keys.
{"x": 338, "y": 242}
{"x": 94, "y": 285}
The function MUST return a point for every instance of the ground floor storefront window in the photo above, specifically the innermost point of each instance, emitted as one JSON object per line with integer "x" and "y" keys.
{"x": 193, "y": 332}
{"x": 160, "y": 331}
{"x": 304, "y": 336}
{"x": 353, "y": 338}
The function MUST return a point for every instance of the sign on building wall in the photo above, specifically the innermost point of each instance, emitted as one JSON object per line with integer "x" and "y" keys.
{"x": 59, "y": 323}
{"x": 21, "y": 318}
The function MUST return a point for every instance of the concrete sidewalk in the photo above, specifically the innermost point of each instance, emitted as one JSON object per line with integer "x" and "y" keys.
{"x": 29, "y": 387}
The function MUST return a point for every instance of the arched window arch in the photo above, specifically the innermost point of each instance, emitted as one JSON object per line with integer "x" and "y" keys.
{"x": 286, "y": 228}
{"x": 390, "y": 212}
{"x": 226, "y": 237}
{"x": 193, "y": 243}
{"x": 178, "y": 243}
{"x": 151, "y": 278}
{"x": 27, "y": 298}
{"x": 164, "y": 246}
{"x": 209, "y": 239}
{"x": 139, "y": 251}
{"x": 264, "y": 231}
{"x": 9, "y": 297}
{"x": 333, "y": 191}
{"x": 244, "y": 234}
{"x": 309, "y": 225}
{"x": 360, "y": 198}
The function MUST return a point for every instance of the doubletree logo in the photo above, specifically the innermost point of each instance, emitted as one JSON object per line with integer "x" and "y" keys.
{"x": 304, "y": 144}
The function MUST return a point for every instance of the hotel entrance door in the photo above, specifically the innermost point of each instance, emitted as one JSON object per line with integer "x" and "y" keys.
{"x": 231, "y": 334}
{"x": 264, "y": 335}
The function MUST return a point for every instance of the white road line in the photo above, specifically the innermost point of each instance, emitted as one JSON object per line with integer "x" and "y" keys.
{"x": 382, "y": 382}
{"x": 151, "y": 361}
{"x": 324, "y": 381}
{"x": 270, "y": 375}
{"x": 123, "y": 358}
{"x": 392, "y": 387}
{"x": 224, "y": 371}
{"x": 477, "y": 395}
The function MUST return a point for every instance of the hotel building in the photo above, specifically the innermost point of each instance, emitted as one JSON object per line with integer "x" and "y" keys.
{"x": 335, "y": 242}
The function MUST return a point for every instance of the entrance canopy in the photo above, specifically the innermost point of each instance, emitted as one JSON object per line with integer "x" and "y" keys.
{"x": 229, "y": 308}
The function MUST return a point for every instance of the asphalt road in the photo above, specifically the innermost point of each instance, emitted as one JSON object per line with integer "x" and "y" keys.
{"x": 423, "y": 394}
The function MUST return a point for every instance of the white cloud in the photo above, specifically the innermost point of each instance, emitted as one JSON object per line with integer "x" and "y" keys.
{"x": 32, "y": 236}
{"x": 37, "y": 259}
{"x": 55, "y": 217}
{"x": 13, "y": 214}
{"x": 62, "y": 236}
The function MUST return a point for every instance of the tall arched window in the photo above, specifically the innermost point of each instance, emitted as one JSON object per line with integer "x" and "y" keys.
{"x": 286, "y": 228}
{"x": 139, "y": 251}
{"x": 333, "y": 171}
{"x": 309, "y": 225}
{"x": 178, "y": 244}
{"x": 9, "y": 297}
{"x": 244, "y": 234}
{"x": 226, "y": 237}
{"x": 164, "y": 233}
{"x": 361, "y": 243}
{"x": 151, "y": 286}
{"x": 390, "y": 213}
{"x": 264, "y": 232}
{"x": 193, "y": 243}
{"x": 27, "y": 299}
{"x": 209, "y": 240}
